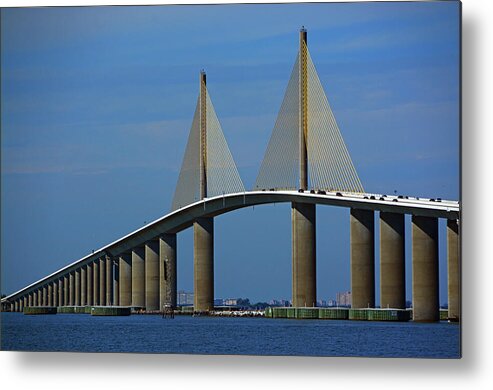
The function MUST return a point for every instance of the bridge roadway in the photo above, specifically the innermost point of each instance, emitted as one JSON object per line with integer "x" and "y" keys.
{"x": 184, "y": 217}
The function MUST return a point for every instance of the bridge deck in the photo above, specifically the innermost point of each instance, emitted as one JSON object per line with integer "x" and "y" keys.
{"x": 184, "y": 217}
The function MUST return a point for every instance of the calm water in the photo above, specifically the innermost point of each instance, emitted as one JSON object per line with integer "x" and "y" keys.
{"x": 225, "y": 336}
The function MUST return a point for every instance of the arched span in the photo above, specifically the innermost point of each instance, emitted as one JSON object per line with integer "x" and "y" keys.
{"x": 184, "y": 217}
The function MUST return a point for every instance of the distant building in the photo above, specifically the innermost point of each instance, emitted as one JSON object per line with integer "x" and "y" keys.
{"x": 184, "y": 298}
{"x": 331, "y": 303}
{"x": 321, "y": 303}
{"x": 218, "y": 302}
{"x": 279, "y": 302}
{"x": 230, "y": 302}
{"x": 343, "y": 298}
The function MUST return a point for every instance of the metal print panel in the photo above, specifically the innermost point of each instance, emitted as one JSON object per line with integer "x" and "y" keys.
{"x": 268, "y": 179}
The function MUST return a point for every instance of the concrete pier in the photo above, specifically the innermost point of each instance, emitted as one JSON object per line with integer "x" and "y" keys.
{"x": 167, "y": 270}
{"x": 50, "y": 295}
{"x": 83, "y": 286}
{"x": 152, "y": 275}
{"x": 109, "y": 281}
{"x": 116, "y": 281}
{"x": 77, "y": 288}
{"x": 138, "y": 277}
{"x": 55, "y": 293}
{"x": 60, "y": 291}
{"x": 30, "y": 299}
{"x": 90, "y": 287}
{"x": 95, "y": 283}
{"x": 102, "y": 281}
{"x": 65, "y": 290}
{"x": 35, "y": 298}
{"x": 362, "y": 242}
{"x": 71, "y": 291}
{"x": 425, "y": 269}
{"x": 45, "y": 296}
{"x": 203, "y": 270}
{"x": 125, "y": 269}
{"x": 303, "y": 244}
{"x": 392, "y": 261}
{"x": 453, "y": 269}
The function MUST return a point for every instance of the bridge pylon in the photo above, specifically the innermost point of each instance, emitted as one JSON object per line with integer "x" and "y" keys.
{"x": 203, "y": 228}
{"x": 306, "y": 151}
{"x": 303, "y": 215}
{"x": 208, "y": 170}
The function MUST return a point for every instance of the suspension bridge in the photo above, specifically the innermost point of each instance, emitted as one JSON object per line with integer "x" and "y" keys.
{"x": 306, "y": 163}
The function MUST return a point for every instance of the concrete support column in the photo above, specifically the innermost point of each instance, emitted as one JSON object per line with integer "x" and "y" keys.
{"x": 90, "y": 287}
{"x": 109, "y": 281}
{"x": 116, "y": 282}
{"x": 71, "y": 292}
{"x": 392, "y": 261}
{"x": 138, "y": 277}
{"x": 303, "y": 246}
{"x": 425, "y": 269}
{"x": 167, "y": 270}
{"x": 83, "y": 286}
{"x": 203, "y": 270}
{"x": 102, "y": 281}
{"x": 65, "y": 290}
{"x": 35, "y": 298}
{"x": 125, "y": 282}
{"x": 60, "y": 292}
{"x": 50, "y": 295}
{"x": 24, "y": 302}
{"x": 30, "y": 299}
{"x": 77, "y": 288}
{"x": 362, "y": 229}
{"x": 45, "y": 296}
{"x": 152, "y": 275}
{"x": 95, "y": 283}
{"x": 55, "y": 293}
{"x": 16, "y": 306}
{"x": 453, "y": 269}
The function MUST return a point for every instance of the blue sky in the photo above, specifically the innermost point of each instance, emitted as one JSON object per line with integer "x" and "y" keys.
{"x": 97, "y": 103}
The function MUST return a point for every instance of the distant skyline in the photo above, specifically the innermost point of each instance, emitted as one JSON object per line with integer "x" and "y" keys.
{"x": 97, "y": 103}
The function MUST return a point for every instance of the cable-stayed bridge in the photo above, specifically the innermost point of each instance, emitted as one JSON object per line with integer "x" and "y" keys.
{"x": 306, "y": 163}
